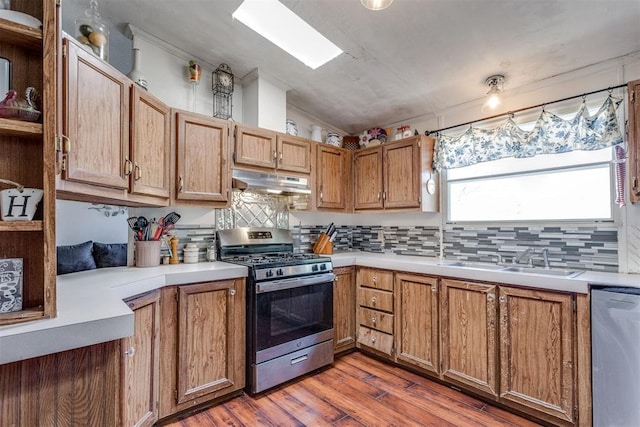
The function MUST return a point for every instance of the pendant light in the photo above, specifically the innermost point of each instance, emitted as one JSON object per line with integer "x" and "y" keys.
{"x": 376, "y": 4}
{"x": 496, "y": 84}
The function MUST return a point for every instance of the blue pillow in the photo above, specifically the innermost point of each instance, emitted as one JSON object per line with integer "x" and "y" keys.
{"x": 110, "y": 254}
{"x": 75, "y": 258}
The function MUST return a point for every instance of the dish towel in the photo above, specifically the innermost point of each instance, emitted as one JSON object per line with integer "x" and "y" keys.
{"x": 621, "y": 169}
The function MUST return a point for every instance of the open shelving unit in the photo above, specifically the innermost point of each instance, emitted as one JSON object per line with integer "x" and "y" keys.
{"x": 27, "y": 156}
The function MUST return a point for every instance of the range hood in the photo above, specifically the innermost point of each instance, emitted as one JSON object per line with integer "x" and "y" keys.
{"x": 270, "y": 183}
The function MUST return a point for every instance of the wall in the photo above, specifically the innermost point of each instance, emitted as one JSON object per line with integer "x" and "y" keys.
{"x": 77, "y": 222}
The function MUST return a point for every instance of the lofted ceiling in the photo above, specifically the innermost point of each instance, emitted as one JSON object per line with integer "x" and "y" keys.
{"x": 414, "y": 58}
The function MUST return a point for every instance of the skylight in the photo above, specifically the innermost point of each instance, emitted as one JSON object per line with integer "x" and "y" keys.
{"x": 278, "y": 24}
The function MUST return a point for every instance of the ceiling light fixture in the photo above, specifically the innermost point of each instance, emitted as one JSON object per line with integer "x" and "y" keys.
{"x": 278, "y": 24}
{"x": 496, "y": 85}
{"x": 376, "y": 4}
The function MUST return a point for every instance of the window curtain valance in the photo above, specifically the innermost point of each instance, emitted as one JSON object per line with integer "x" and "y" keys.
{"x": 551, "y": 134}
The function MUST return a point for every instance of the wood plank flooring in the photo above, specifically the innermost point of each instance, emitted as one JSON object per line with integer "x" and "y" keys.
{"x": 356, "y": 391}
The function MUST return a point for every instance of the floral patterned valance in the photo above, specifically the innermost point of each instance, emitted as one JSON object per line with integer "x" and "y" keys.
{"x": 551, "y": 134}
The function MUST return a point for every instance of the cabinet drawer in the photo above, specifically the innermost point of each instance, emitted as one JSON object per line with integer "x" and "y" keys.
{"x": 376, "y": 319}
{"x": 373, "y": 298}
{"x": 379, "y": 279}
{"x": 375, "y": 339}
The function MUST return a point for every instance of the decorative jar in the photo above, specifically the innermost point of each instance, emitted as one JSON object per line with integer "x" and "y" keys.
{"x": 92, "y": 33}
{"x": 190, "y": 253}
{"x": 334, "y": 139}
{"x": 291, "y": 127}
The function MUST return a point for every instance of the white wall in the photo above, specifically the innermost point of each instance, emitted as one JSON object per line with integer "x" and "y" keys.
{"x": 77, "y": 222}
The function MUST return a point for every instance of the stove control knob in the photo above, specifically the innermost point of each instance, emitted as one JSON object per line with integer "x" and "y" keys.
{"x": 314, "y": 267}
{"x": 323, "y": 266}
{"x": 280, "y": 272}
{"x": 269, "y": 273}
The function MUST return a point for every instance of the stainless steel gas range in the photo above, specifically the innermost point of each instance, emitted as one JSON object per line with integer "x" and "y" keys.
{"x": 289, "y": 305}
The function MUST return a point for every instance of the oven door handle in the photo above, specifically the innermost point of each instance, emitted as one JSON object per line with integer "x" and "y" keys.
{"x": 294, "y": 282}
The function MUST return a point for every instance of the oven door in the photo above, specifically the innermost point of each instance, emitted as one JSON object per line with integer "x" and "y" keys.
{"x": 291, "y": 314}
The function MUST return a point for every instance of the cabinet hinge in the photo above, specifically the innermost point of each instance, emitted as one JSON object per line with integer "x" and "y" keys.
{"x": 58, "y": 143}
{"x": 175, "y": 393}
{"x": 575, "y": 306}
{"x": 177, "y": 296}
{"x": 575, "y": 413}
{"x": 235, "y": 132}
{"x": 234, "y": 156}
{"x": 64, "y": 50}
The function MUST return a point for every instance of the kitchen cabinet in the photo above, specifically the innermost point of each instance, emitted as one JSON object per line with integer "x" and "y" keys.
{"x": 116, "y": 144}
{"x": 375, "y": 301}
{"x": 633, "y": 89}
{"x": 469, "y": 339}
{"x": 537, "y": 354}
{"x": 202, "y": 343}
{"x": 28, "y": 158}
{"x": 333, "y": 189}
{"x": 344, "y": 309}
{"x": 140, "y": 372}
{"x": 395, "y": 176}
{"x": 260, "y": 149}
{"x": 417, "y": 332}
{"x": 202, "y": 173}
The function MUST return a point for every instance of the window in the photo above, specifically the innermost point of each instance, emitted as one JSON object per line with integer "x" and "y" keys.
{"x": 554, "y": 187}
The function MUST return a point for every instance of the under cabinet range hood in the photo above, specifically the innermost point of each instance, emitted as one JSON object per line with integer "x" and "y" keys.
{"x": 270, "y": 183}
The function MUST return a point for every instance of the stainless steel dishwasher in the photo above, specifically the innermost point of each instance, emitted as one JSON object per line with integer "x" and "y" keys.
{"x": 615, "y": 352}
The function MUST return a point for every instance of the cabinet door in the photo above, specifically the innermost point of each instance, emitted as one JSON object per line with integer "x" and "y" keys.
{"x": 294, "y": 154}
{"x": 332, "y": 181}
{"x": 537, "y": 351}
{"x": 210, "y": 350}
{"x": 402, "y": 175}
{"x": 203, "y": 172}
{"x": 140, "y": 364}
{"x": 468, "y": 322}
{"x": 344, "y": 309}
{"x": 417, "y": 321}
{"x": 634, "y": 140}
{"x": 255, "y": 147}
{"x": 368, "y": 179}
{"x": 150, "y": 145}
{"x": 96, "y": 120}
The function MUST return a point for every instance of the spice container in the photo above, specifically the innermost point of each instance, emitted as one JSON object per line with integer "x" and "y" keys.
{"x": 190, "y": 253}
{"x": 92, "y": 33}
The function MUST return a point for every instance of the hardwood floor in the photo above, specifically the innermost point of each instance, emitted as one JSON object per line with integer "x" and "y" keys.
{"x": 356, "y": 391}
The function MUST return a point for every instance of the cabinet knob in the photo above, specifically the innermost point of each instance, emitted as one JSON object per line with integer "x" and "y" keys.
{"x": 502, "y": 299}
{"x": 232, "y": 292}
{"x": 433, "y": 289}
{"x": 373, "y": 339}
{"x": 375, "y": 278}
{"x": 130, "y": 352}
{"x": 374, "y": 300}
{"x": 490, "y": 297}
{"x": 374, "y": 320}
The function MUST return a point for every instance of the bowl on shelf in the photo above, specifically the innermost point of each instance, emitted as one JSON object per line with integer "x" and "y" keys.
{"x": 19, "y": 113}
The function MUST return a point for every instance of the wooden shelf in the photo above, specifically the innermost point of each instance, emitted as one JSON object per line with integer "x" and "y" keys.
{"x": 20, "y": 35}
{"x": 21, "y": 226}
{"x": 21, "y": 316}
{"x": 11, "y": 127}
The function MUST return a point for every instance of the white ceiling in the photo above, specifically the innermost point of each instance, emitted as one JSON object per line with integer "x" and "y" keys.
{"x": 414, "y": 58}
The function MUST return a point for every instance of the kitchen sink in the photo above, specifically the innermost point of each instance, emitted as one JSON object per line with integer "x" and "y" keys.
{"x": 478, "y": 265}
{"x": 542, "y": 271}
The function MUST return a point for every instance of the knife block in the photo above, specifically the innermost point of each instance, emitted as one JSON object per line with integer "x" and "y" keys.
{"x": 323, "y": 245}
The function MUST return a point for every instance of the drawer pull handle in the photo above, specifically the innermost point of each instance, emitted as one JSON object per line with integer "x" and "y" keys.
{"x": 375, "y": 278}
{"x": 232, "y": 292}
{"x": 299, "y": 359}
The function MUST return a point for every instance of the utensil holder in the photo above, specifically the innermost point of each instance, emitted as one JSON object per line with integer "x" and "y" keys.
{"x": 323, "y": 245}
{"x": 148, "y": 253}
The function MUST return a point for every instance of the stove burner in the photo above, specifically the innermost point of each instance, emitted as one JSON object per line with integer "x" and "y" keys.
{"x": 256, "y": 259}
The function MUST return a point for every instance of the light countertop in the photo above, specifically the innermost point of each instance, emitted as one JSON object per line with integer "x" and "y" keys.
{"x": 91, "y": 308}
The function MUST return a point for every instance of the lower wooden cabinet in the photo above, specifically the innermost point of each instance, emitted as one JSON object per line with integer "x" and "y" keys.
{"x": 537, "y": 363}
{"x": 140, "y": 368}
{"x": 417, "y": 331}
{"x": 344, "y": 309}
{"x": 202, "y": 343}
{"x": 469, "y": 335}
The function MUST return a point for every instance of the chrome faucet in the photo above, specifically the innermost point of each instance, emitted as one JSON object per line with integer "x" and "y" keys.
{"x": 520, "y": 256}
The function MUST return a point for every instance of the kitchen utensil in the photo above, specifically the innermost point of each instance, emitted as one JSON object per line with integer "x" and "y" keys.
{"x": 171, "y": 218}
{"x": 142, "y": 224}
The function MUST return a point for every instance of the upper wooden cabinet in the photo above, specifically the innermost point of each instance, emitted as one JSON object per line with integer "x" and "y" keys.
{"x": 202, "y": 343}
{"x": 150, "y": 145}
{"x": 260, "y": 149}
{"x": 27, "y": 157}
{"x": 333, "y": 185}
{"x": 116, "y": 144}
{"x": 634, "y": 140}
{"x": 395, "y": 176}
{"x": 202, "y": 172}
